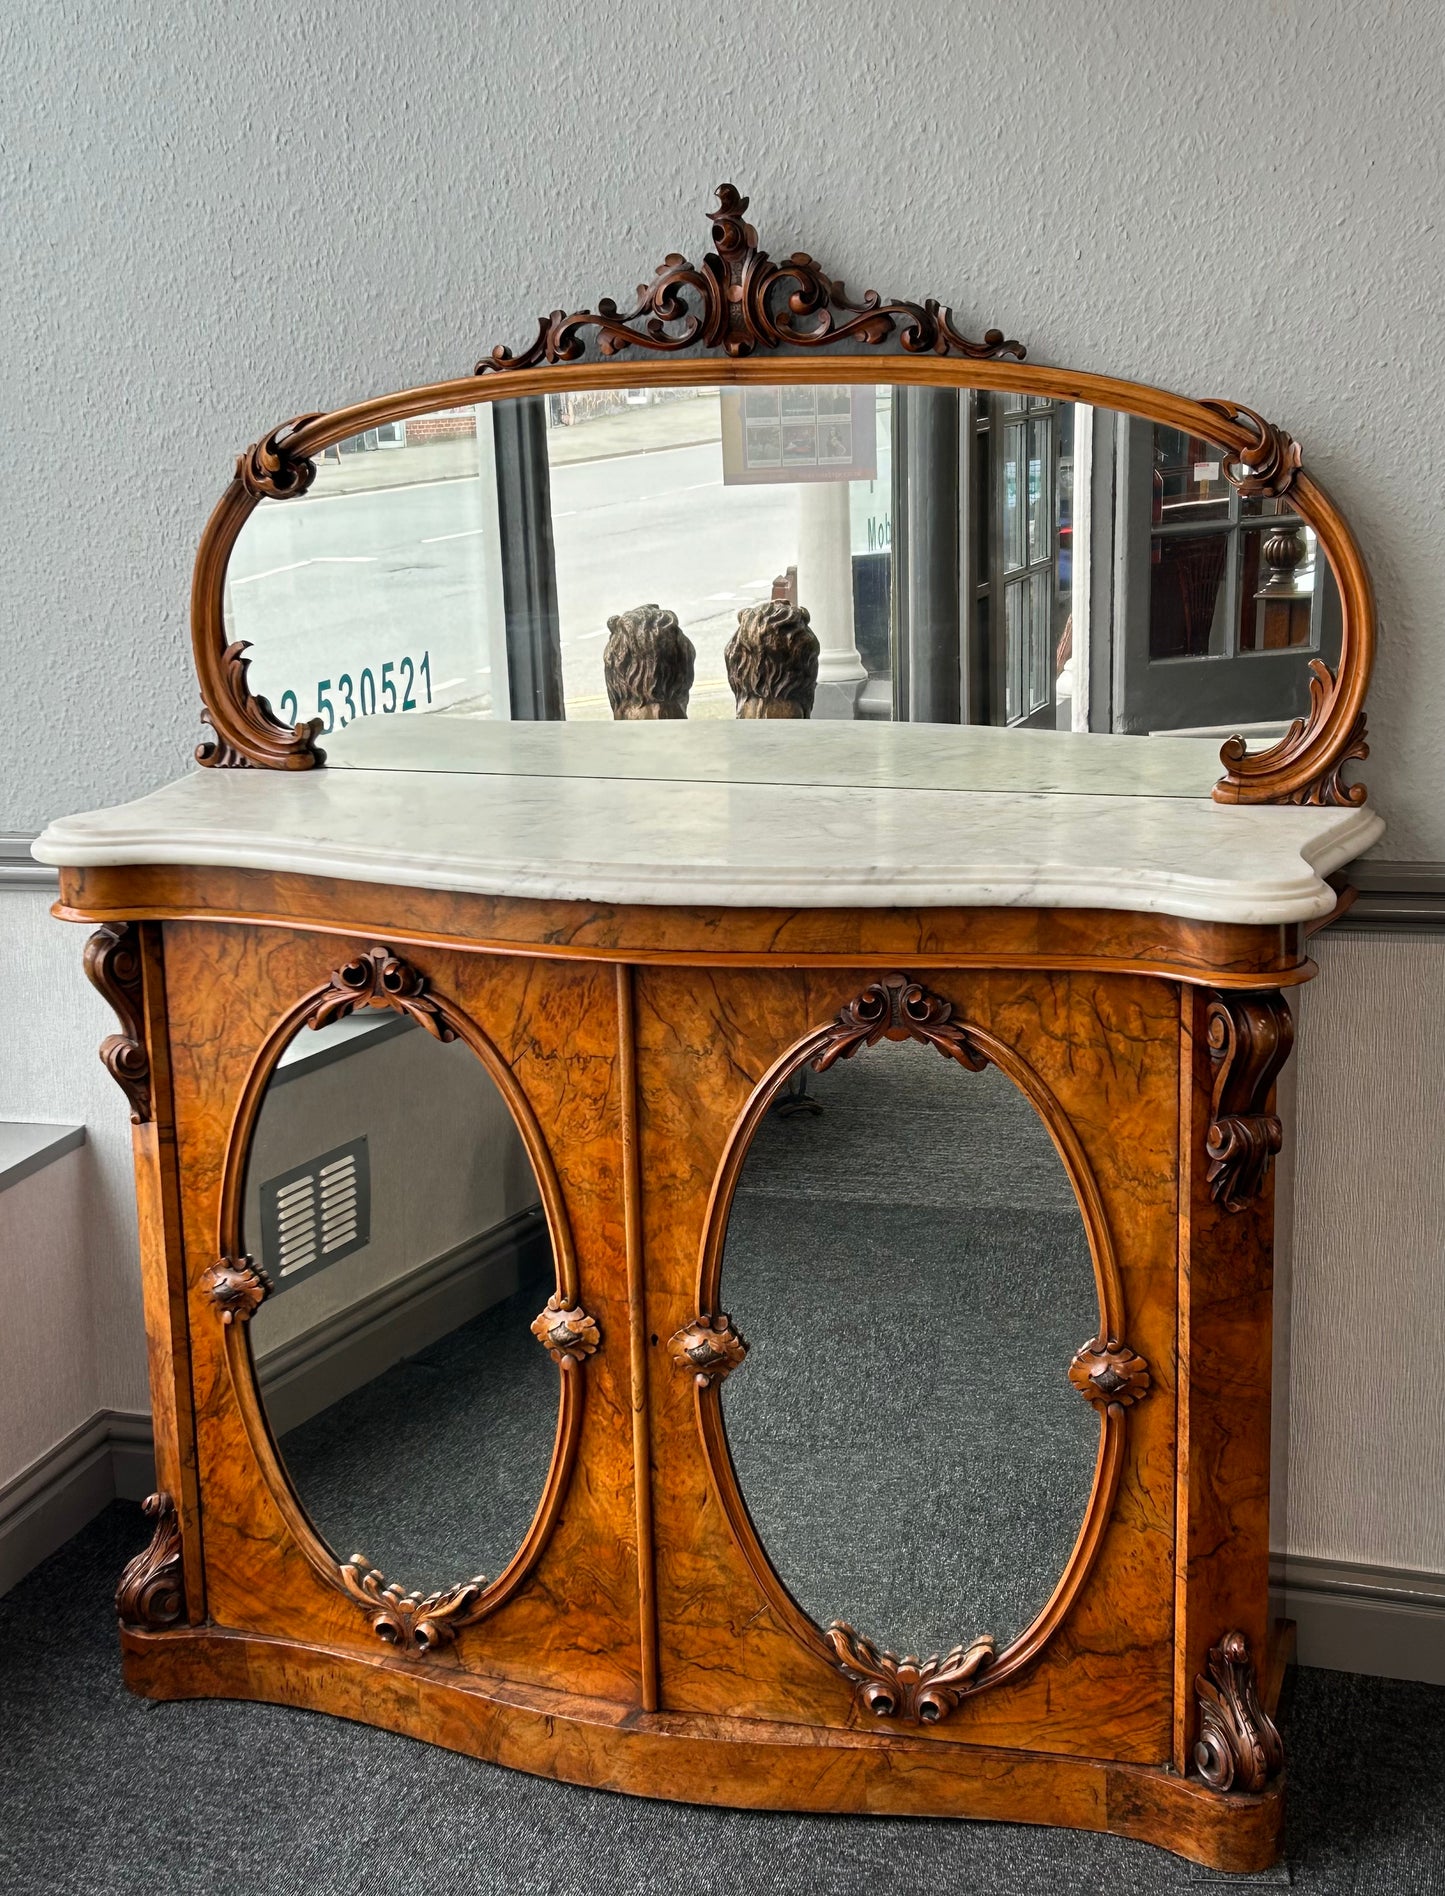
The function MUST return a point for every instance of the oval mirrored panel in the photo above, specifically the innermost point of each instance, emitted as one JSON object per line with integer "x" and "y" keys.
{"x": 906, "y": 1258}
{"x": 391, "y": 1202}
{"x": 966, "y": 556}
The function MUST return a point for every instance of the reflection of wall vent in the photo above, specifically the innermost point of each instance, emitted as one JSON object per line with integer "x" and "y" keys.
{"x": 315, "y": 1214}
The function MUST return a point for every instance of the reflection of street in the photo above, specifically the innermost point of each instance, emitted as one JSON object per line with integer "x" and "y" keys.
{"x": 359, "y": 582}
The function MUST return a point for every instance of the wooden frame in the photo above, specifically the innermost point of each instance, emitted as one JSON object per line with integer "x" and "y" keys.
{"x": 742, "y": 303}
{"x": 650, "y": 1647}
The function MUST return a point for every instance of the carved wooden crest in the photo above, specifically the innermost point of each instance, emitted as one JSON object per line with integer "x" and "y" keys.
{"x": 896, "y": 1008}
{"x": 1239, "y": 1748}
{"x": 412, "y": 1621}
{"x": 916, "y": 1691}
{"x": 566, "y": 1330}
{"x": 151, "y": 1591}
{"x": 738, "y": 300}
{"x": 1250, "y": 1036}
{"x": 1107, "y": 1373}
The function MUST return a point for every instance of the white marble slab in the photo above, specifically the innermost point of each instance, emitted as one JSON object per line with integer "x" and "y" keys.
{"x": 736, "y": 843}
{"x": 845, "y": 755}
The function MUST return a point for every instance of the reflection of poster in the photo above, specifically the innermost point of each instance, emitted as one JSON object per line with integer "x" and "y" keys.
{"x": 799, "y": 434}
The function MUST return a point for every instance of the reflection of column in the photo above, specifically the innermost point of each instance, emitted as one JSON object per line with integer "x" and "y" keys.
{"x": 825, "y": 587}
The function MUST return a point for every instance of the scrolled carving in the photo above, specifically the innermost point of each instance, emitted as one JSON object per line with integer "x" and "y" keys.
{"x": 1238, "y": 1748}
{"x": 270, "y": 469}
{"x": 379, "y": 979}
{"x": 1250, "y": 1036}
{"x": 412, "y": 1622}
{"x": 1109, "y": 1374}
{"x": 1267, "y": 464}
{"x": 647, "y": 664}
{"x": 709, "y": 1347}
{"x": 565, "y": 1329}
{"x": 1326, "y": 788}
{"x": 739, "y": 300}
{"x": 152, "y": 1590}
{"x": 113, "y": 967}
{"x": 916, "y": 1691}
{"x": 896, "y": 1008}
{"x": 772, "y": 661}
{"x": 237, "y": 1286}
{"x": 277, "y": 746}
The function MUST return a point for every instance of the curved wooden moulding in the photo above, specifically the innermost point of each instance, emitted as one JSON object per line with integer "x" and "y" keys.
{"x": 408, "y": 1620}
{"x": 748, "y": 318}
{"x": 889, "y": 1686}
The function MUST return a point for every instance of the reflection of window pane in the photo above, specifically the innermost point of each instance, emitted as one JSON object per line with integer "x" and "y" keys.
{"x": 1015, "y": 404}
{"x": 1013, "y": 526}
{"x": 1186, "y": 582}
{"x": 1038, "y": 511}
{"x": 1042, "y": 647}
{"x": 1013, "y": 649}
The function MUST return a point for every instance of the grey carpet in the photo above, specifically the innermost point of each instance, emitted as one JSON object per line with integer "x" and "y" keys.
{"x": 102, "y": 1794}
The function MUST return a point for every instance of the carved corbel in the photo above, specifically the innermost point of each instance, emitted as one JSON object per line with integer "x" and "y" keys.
{"x": 113, "y": 966}
{"x": 772, "y": 661}
{"x": 916, "y": 1691}
{"x": 647, "y": 664}
{"x": 566, "y": 1330}
{"x": 271, "y": 469}
{"x": 151, "y": 1591}
{"x": 237, "y": 1287}
{"x": 1250, "y": 1036}
{"x": 710, "y": 1347}
{"x": 1238, "y": 1748}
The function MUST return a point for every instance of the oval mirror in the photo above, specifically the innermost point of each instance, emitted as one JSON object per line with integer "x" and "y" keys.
{"x": 391, "y": 1202}
{"x": 815, "y": 555}
{"x": 906, "y": 1258}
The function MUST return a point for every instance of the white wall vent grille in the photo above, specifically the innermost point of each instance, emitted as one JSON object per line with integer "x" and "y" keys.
{"x": 315, "y": 1214}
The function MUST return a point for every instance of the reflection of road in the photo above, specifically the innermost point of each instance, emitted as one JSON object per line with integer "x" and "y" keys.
{"x": 361, "y": 582}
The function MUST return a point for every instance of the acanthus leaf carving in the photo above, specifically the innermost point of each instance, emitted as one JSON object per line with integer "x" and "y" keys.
{"x": 896, "y": 1008}
{"x": 740, "y": 300}
{"x": 1249, "y": 1036}
{"x": 709, "y": 1347}
{"x": 412, "y": 1622}
{"x": 1238, "y": 1748}
{"x": 270, "y": 469}
{"x": 113, "y": 967}
{"x": 1327, "y": 789}
{"x": 151, "y": 1591}
{"x": 916, "y": 1691}
{"x": 237, "y": 1286}
{"x": 280, "y": 746}
{"x": 379, "y": 979}
{"x": 1267, "y": 464}
{"x": 566, "y": 1330}
{"x": 1109, "y": 1374}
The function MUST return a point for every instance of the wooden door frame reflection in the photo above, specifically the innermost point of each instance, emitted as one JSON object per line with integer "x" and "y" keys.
{"x": 707, "y": 1390}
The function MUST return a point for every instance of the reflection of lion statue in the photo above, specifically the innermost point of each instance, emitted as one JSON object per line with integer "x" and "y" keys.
{"x": 772, "y": 661}
{"x": 648, "y": 664}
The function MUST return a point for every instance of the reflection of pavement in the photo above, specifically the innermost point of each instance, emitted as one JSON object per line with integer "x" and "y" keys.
{"x": 639, "y": 430}
{"x": 359, "y": 581}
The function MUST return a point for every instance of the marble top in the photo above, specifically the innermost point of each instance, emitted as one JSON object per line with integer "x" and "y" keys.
{"x": 733, "y": 838}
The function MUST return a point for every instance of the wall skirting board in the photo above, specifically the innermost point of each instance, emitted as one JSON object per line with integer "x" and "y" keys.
{"x": 110, "y": 1456}
{"x": 1363, "y": 1619}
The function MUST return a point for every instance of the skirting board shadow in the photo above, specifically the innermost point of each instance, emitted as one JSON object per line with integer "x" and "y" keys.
{"x": 1380, "y": 1620}
{"x": 110, "y": 1457}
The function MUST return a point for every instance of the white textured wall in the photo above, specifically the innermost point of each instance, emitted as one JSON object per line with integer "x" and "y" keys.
{"x": 218, "y": 216}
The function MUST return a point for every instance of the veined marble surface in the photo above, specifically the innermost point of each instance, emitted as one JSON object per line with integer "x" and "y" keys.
{"x": 845, "y": 755}
{"x": 737, "y": 843}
